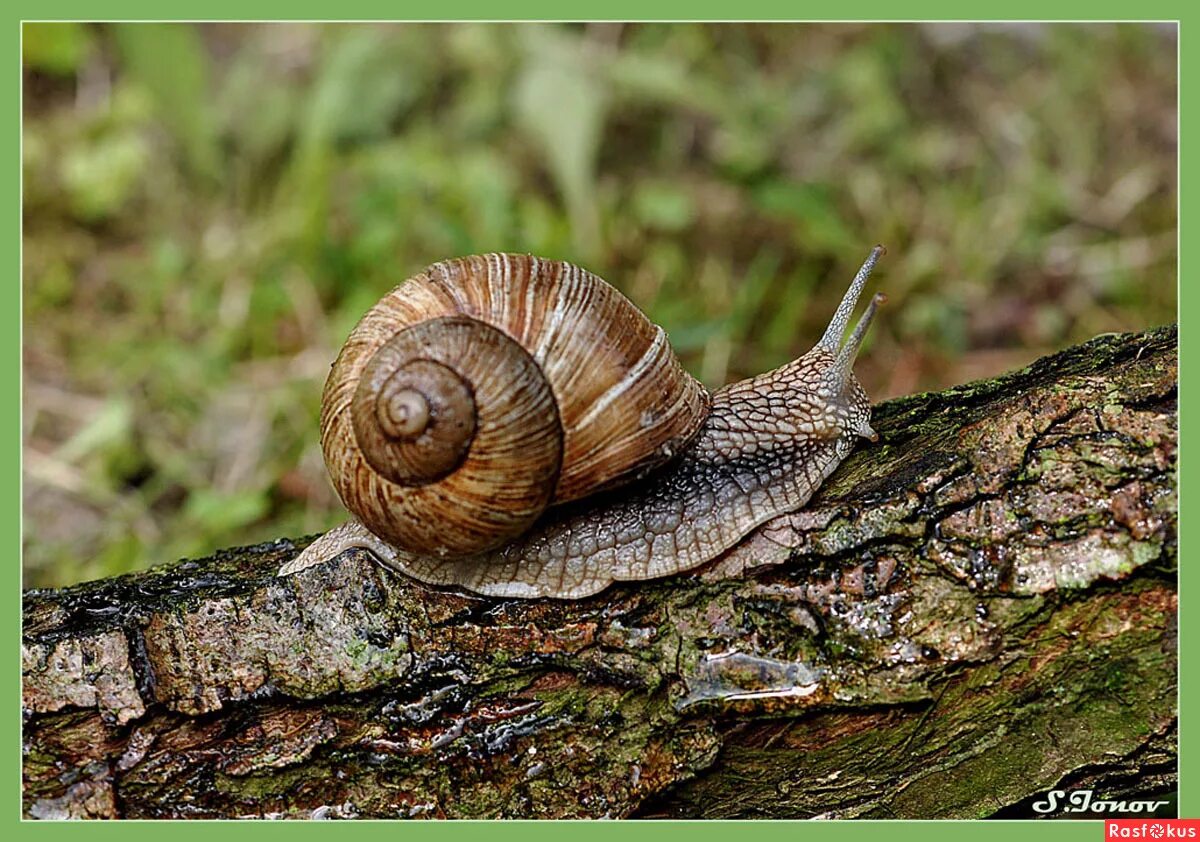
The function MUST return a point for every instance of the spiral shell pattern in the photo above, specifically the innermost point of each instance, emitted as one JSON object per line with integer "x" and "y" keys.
{"x": 486, "y": 388}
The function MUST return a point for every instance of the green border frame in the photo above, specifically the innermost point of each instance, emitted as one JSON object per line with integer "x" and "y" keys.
{"x": 770, "y": 10}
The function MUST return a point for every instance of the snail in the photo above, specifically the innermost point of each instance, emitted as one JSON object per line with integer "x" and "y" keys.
{"x": 515, "y": 427}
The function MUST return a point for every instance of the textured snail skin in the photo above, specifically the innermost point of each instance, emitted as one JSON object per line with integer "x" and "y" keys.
{"x": 765, "y": 447}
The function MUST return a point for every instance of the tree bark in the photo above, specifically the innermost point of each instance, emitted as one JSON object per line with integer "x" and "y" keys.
{"x": 977, "y": 610}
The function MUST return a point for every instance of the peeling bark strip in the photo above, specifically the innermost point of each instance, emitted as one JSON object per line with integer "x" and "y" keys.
{"x": 975, "y": 611}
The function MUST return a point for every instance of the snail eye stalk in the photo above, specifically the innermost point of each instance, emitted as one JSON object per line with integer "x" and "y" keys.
{"x": 839, "y": 372}
{"x": 841, "y": 318}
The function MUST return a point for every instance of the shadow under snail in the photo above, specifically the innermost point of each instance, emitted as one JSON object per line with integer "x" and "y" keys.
{"x": 516, "y": 427}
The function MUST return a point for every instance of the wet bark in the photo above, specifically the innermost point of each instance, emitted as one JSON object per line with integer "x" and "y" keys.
{"x": 977, "y": 610}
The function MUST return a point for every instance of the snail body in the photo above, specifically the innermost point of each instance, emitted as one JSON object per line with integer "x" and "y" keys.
{"x": 588, "y": 455}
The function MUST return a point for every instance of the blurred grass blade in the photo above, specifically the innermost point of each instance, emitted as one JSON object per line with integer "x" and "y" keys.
{"x": 562, "y": 109}
{"x": 111, "y": 425}
{"x": 215, "y": 513}
{"x": 367, "y": 77}
{"x": 171, "y": 62}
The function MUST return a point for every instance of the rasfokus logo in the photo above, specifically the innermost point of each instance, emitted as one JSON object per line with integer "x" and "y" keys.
{"x": 1151, "y": 829}
{"x": 1083, "y": 801}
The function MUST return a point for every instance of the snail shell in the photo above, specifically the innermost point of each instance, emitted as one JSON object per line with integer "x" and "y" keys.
{"x": 548, "y": 336}
{"x": 486, "y": 388}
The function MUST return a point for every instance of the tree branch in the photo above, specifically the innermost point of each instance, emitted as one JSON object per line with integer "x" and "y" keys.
{"x": 977, "y": 610}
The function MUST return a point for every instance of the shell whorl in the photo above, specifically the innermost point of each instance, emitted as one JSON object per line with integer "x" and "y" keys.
{"x": 486, "y": 388}
{"x": 414, "y": 417}
{"x": 438, "y": 491}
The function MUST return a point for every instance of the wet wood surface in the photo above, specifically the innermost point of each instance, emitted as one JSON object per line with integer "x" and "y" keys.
{"x": 974, "y": 611}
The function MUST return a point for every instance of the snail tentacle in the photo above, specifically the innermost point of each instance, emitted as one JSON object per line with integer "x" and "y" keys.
{"x": 832, "y": 337}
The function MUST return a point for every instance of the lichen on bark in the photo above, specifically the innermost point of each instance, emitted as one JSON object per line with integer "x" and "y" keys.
{"x": 977, "y": 609}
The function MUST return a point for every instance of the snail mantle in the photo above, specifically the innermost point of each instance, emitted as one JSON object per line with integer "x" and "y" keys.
{"x": 971, "y": 613}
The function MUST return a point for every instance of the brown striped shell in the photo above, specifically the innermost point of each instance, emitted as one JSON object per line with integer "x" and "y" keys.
{"x": 486, "y": 388}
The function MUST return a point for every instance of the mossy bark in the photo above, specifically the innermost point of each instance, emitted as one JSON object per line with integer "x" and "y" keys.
{"x": 977, "y": 610}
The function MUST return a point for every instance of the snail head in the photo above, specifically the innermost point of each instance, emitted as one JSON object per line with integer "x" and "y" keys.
{"x": 842, "y": 406}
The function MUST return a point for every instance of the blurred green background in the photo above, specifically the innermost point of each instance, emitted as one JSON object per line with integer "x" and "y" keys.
{"x": 209, "y": 209}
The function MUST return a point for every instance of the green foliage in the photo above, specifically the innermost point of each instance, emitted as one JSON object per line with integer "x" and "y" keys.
{"x": 561, "y": 105}
{"x": 209, "y": 209}
{"x": 170, "y": 61}
{"x": 55, "y": 48}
